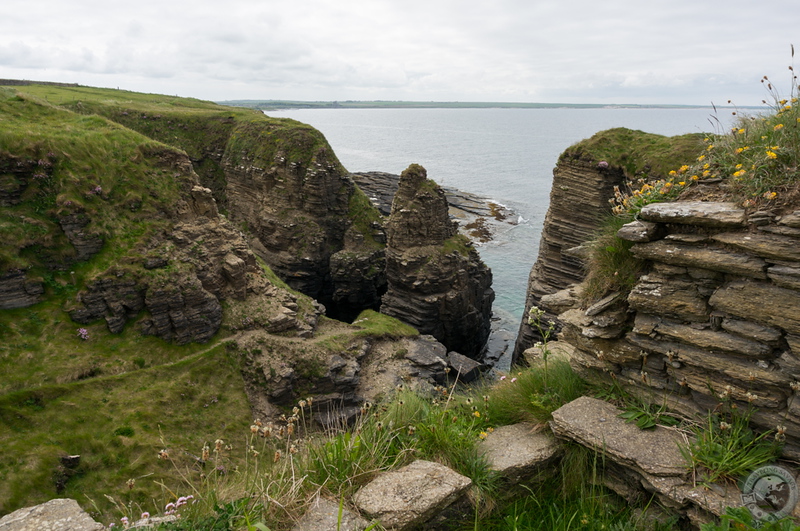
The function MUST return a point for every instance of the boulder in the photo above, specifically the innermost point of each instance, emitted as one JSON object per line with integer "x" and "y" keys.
{"x": 408, "y": 497}
{"x": 55, "y": 515}
{"x": 519, "y": 451}
{"x": 324, "y": 515}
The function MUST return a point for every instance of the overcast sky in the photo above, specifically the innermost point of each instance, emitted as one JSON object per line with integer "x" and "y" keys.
{"x": 574, "y": 51}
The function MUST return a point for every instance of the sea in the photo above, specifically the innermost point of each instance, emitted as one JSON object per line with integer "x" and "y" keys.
{"x": 504, "y": 154}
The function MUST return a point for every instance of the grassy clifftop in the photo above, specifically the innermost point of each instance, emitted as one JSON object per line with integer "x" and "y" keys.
{"x": 89, "y": 178}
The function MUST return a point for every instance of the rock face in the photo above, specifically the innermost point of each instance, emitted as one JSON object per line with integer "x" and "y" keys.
{"x": 436, "y": 280}
{"x": 566, "y": 229}
{"x": 713, "y": 317}
{"x": 299, "y": 204}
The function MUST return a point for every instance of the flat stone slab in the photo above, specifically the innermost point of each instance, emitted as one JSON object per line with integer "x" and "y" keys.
{"x": 519, "y": 450}
{"x": 61, "y": 514}
{"x": 323, "y": 515}
{"x": 409, "y": 496}
{"x": 595, "y": 424}
{"x": 701, "y": 213}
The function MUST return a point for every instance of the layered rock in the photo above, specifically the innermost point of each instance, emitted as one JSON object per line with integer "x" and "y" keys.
{"x": 436, "y": 280}
{"x": 299, "y": 204}
{"x": 712, "y": 319}
{"x": 579, "y": 198}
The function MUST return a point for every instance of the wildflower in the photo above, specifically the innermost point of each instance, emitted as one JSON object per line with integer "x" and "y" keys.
{"x": 258, "y": 422}
{"x": 163, "y": 454}
{"x": 700, "y": 158}
{"x": 742, "y": 149}
{"x": 602, "y": 164}
{"x": 205, "y": 453}
{"x": 724, "y": 425}
{"x": 302, "y": 404}
{"x": 482, "y": 435}
{"x": 770, "y": 195}
{"x": 476, "y": 414}
{"x": 739, "y": 173}
{"x": 777, "y": 127}
{"x": 290, "y": 429}
{"x": 772, "y": 155}
{"x": 469, "y": 401}
{"x": 145, "y": 515}
{"x": 218, "y": 445}
{"x": 490, "y": 430}
{"x": 130, "y": 483}
{"x": 412, "y": 430}
{"x": 673, "y": 173}
{"x": 503, "y": 377}
{"x": 682, "y": 183}
{"x": 780, "y": 434}
{"x": 83, "y": 334}
{"x": 277, "y": 456}
{"x": 750, "y": 396}
{"x": 683, "y": 169}
{"x": 124, "y": 520}
{"x": 694, "y": 177}
{"x": 379, "y": 426}
{"x": 740, "y": 132}
{"x": 513, "y": 380}
{"x": 292, "y": 449}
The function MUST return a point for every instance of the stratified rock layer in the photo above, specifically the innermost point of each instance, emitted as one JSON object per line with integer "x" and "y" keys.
{"x": 436, "y": 280}
{"x": 578, "y": 200}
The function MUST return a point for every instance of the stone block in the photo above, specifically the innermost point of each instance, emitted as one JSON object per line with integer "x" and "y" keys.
{"x": 701, "y": 213}
{"x": 323, "y": 515}
{"x": 406, "y": 498}
{"x": 518, "y": 451}
{"x": 55, "y": 515}
{"x": 714, "y": 258}
{"x": 761, "y": 302}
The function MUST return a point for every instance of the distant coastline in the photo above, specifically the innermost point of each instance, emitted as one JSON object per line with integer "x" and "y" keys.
{"x": 275, "y": 105}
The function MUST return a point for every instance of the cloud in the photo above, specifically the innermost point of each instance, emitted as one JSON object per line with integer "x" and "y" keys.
{"x": 573, "y": 50}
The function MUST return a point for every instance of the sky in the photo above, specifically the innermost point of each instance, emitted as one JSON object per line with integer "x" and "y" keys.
{"x": 693, "y": 52}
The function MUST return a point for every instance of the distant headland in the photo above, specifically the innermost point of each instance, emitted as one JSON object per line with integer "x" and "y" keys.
{"x": 276, "y": 105}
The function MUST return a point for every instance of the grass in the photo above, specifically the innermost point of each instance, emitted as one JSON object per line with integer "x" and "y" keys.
{"x": 272, "y": 477}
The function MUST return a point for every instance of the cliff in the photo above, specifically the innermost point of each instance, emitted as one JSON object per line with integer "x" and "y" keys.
{"x": 584, "y": 182}
{"x": 436, "y": 281}
{"x": 710, "y": 315}
{"x": 279, "y": 181}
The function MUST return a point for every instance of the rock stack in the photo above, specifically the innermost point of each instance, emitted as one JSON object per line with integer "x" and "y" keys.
{"x": 436, "y": 280}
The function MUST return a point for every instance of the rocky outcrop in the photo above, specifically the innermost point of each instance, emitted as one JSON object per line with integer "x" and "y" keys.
{"x": 300, "y": 205}
{"x": 19, "y": 291}
{"x": 436, "y": 280}
{"x": 713, "y": 318}
{"x": 566, "y": 231}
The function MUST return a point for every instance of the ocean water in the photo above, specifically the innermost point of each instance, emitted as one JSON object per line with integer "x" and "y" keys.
{"x": 507, "y": 155}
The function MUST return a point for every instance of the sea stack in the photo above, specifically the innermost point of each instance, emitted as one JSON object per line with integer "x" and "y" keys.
{"x": 436, "y": 280}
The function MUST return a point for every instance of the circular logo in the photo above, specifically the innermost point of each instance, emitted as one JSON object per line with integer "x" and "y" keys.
{"x": 770, "y": 493}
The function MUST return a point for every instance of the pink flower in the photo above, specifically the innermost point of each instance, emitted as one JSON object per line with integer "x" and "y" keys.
{"x": 145, "y": 515}
{"x": 503, "y": 377}
{"x": 513, "y": 380}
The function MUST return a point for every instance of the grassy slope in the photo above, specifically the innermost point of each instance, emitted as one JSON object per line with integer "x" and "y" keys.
{"x": 60, "y": 395}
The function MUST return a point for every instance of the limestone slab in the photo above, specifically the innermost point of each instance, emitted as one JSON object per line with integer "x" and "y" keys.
{"x": 761, "y": 302}
{"x": 762, "y": 244}
{"x": 706, "y": 214}
{"x": 715, "y": 258}
{"x": 595, "y": 423}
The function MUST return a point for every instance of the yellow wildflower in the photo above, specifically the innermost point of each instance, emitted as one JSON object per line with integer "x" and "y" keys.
{"x": 739, "y": 173}
{"x": 706, "y": 173}
{"x": 740, "y": 132}
{"x": 482, "y": 435}
{"x": 706, "y": 166}
{"x": 778, "y": 127}
{"x": 770, "y": 195}
{"x": 772, "y": 154}
{"x": 694, "y": 177}
{"x": 683, "y": 168}
{"x": 701, "y": 157}
{"x": 476, "y": 414}
{"x": 673, "y": 172}
{"x": 682, "y": 183}
{"x": 738, "y": 166}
